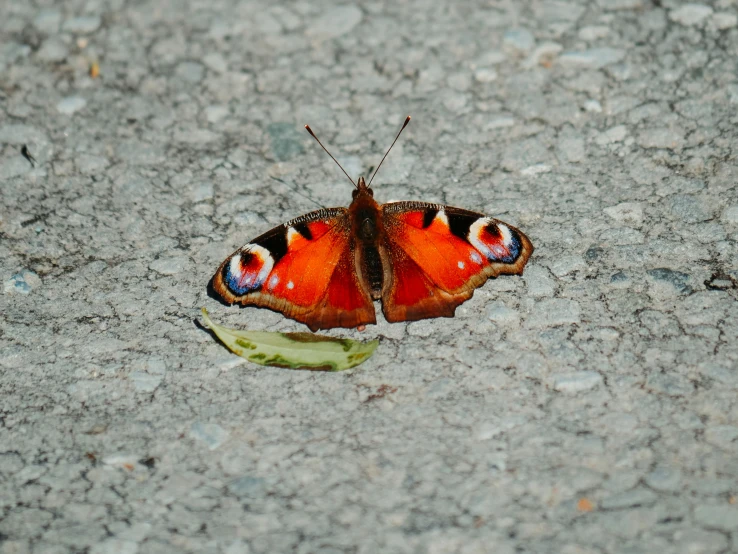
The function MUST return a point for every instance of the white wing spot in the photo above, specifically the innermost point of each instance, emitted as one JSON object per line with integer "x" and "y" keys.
{"x": 476, "y": 258}
{"x": 460, "y": 264}
{"x": 290, "y": 285}
{"x": 442, "y": 217}
{"x": 273, "y": 281}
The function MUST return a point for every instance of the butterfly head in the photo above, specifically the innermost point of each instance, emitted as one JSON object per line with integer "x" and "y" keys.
{"x": 361, "y": 188}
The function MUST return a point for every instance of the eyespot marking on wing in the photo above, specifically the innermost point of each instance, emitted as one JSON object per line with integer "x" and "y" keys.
{"x": 248, "y": 269}
{"x": 495, "y": 240}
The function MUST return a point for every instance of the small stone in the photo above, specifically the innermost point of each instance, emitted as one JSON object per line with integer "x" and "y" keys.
{"x": 723, "y": 517}
{"x": 724, "y": 20}
{"x": 215, "y": 114}
{"x": 538, "y": 281}
{"x": 170, "y": 265}
{"x": 577, "y": 382}
{"x": 661, "y": 137}
{"x": 690, "y": 14}
{"x": 564, "y": 265}
{"x": 334, "y": 22}
{"x": 665, "y": 479}
{"x": 669, "y": 384}
{"x": 22, "y": 282}
{"x": 594, "y": 32}
{"x": 544, "y": 54}
{"x": 500, "y": 122}
{"x": 518, "y": 41}
{"x": 216, "y": 62}
{"x": 614, "y": 134}
{"x": 145, "y": 382}
{"x": 485, "y": 75}
{"x": 724, "y": 436}
{"x": 48, "y": 21}
{"x": 192, "y": 72}
{"x": 286, "y": 141}
{"x": 238, "y": 547}
{"x": 536, "y": 169}
{"x": 629, "y": 499}
{"x": 595, "y": 58}
{"x": 52, "y": 50}
{"x": 82, "y": 24}
{"x": 71, "y": 104}
{"x": 730, "y": 215}
{"x": 630, "y": 213}
{"x": 550, "y": 312}
{"x": 499, "y": 313}
{"x": 572, "y": 149}
{"x": 202, "y": 191}
{"x": 593, "y": 106}
{"x": 676, "y": 279}
{"x": 688, "y": 208}
{"x": 212, "y": 434}
{"x": 247, "y": 486}
{"x": 699, "y": 541}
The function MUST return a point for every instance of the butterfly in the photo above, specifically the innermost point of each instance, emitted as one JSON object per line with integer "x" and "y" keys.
{"x": 325, "y": 268}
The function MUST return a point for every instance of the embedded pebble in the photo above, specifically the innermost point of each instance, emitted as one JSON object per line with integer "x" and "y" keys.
{"x": 52, "y": 50}
{"x": 499, "y": 313}
{"x": 667, "y": 479}
{"x": 335, "y": 22}
{"x": 485, "y": 75}
{"x": 22, "y": 282}
{"x": 730, "y": 214}
{"x": 614, "y": 134}
{"x": 170, "y": 266}
{"x": 724, "y": 20}
{"x": 676, "y": 279}
{"x": 593, "y": 106}
{"x": 690, "y": 14}
{"x": 554, "y": 311}
{"x": 630, "y": 213}
{"x": 215, "y": 114}
{"x": 595, "y": 58}
{"x": 145, "y": 382}
{"x": 48, "y": 21}
{"x": 577, "y": 382}
{"x": 594, "y": 32}
{"x": 538, "y": 281}
{"x": 192, "y": 72}
{"x": 636, "y": 497}
{"x": 518, "y": 41}
{"x": 71, "y": 104}
{"x": 82, "y": 24}
{"x": 724, "y": 436}
{"x": 543, "y": 54}
{"x": 723, "y": 517}
{"x": 661, "y": 137}
{"x": 212, "y": 434}
{"x": 215, "y": 62}
{"x": 563, "y": 265}
{"x": 202, "y": 191}
{"x": 536, "y": 169}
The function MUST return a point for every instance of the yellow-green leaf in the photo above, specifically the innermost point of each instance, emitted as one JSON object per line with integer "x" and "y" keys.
{"x": 293, "y": 350}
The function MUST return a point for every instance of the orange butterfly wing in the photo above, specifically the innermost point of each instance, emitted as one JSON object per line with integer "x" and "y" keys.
{"x": 439, "y": 255}
{"x": 305, "y": 269}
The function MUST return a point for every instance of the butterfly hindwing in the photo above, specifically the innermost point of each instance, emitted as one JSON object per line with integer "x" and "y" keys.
{"x": 304, "y": 268}
{"x": 439, "y": 255}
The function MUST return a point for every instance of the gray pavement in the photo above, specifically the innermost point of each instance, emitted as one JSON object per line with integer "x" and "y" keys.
{"x": 587, "y": 407}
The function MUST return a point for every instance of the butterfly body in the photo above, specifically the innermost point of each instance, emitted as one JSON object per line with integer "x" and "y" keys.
{"x": 326, "y": 267}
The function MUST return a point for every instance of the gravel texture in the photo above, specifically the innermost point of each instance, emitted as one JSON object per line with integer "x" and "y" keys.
{"x": 588, "y": 407}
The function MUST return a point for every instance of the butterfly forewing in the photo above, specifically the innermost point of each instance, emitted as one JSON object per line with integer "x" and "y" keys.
{"x": 304, "y": 269}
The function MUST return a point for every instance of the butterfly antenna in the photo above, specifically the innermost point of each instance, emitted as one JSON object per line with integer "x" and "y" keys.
{"x": 407, "y": 120}
{"x": 309, "y": 130}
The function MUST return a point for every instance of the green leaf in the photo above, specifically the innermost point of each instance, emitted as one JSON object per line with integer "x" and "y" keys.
{"x": 293, "y": 350}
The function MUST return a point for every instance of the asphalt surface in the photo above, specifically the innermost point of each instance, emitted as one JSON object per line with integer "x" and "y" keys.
{"x": 587, "y": 407}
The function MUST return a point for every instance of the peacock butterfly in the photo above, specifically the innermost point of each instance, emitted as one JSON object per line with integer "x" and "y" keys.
{"x": 326, "y": 267}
